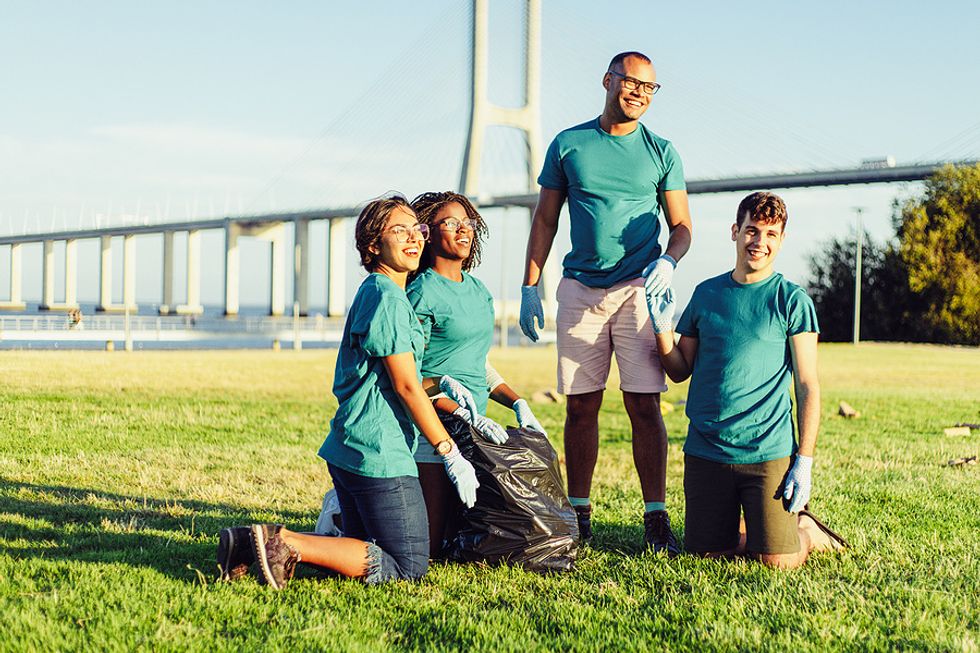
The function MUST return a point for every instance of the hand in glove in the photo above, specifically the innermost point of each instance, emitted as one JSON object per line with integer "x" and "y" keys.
{"x": 485, "y": 426}
{"x": 525, "y": 418}
{"x": 531, "y": 310}
{"x": 661, "y": 309}
{"x": 458, "y": 393}
{"x": 658, "y": 274}
{"x": 462, "y": 474}
{"x": 798, "y": 484}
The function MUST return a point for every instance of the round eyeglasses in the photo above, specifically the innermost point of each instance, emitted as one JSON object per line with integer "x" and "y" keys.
{"x": 405, "y": 234}
{"x": 454, "y": 225}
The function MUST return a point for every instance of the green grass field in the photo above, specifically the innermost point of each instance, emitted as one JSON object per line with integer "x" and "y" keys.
{"x": 117, "y": 470}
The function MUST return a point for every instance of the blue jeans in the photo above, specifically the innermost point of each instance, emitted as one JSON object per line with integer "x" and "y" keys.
{"x": 389, "y": 514}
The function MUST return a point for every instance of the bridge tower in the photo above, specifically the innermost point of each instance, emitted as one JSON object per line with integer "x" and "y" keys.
{"x": 527, "y": 118}
{"x": 484, "y": 113}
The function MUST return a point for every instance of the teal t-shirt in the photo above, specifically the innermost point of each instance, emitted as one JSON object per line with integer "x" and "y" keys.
{"x": 457, "y": 321}
{"x": 614, "y": 186}
{"x": 739, "y": 398}
{"x": 371, "y": 433}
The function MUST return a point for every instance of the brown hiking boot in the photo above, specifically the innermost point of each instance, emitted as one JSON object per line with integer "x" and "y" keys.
{"x": 657, "y": 534}
{"x": 235, "y": 552}
{"x": 276, "y": 559}
{"x": 583, "y": 514}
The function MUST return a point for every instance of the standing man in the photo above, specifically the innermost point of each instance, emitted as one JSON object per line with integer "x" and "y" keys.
{"x": 745, "y": 335}
{"x": 616, "y": 175}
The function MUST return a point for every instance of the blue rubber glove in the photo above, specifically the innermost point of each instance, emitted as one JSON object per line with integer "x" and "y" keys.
{"x": 798, "y": 484}
{"x": 657, "y": 275}
{"x": 661, "y": 309}
{"x": 486, "y": 427}
{"x": 525, "y": 418}
{"x": 462, "y": 474}
{"x": 531, "y": 310}
{"x": 458, "y": 393}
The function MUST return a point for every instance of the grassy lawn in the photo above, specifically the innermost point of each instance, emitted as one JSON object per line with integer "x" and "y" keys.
{"x": 117, "y": 470}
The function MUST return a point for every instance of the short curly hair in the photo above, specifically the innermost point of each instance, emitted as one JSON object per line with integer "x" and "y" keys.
{"x": 427, "y": 205}
{"x": 372, "y": 222}
{"x": 767, "y": 208}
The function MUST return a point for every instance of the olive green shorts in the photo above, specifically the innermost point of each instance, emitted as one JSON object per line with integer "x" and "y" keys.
{"x": 716, "y": 494}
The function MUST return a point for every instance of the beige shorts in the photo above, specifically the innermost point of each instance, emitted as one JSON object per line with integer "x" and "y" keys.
{"x": 595, "y": 322}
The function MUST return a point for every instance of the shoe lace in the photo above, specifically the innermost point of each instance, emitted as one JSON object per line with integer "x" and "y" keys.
{"x": 289, "y": 564}
{"x": 658, "y": 525}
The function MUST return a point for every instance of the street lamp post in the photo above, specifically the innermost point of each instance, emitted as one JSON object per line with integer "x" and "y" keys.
{"x": 859, "y": 249}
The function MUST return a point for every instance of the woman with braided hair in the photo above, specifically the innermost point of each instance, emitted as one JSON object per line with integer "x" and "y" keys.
{"x": 457, "y": 317}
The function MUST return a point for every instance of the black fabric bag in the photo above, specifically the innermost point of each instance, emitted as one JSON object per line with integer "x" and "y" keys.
{"x": 522, "y": 515}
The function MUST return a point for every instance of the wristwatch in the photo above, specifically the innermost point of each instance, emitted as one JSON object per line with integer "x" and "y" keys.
{"x": 443, "y": 448}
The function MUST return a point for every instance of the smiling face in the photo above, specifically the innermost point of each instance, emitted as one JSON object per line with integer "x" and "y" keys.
{"x": 394, "y": 255}
{"x": 447, "y": 242}
{"x": 756, "y": 246}
{"x": 623, "y": 105}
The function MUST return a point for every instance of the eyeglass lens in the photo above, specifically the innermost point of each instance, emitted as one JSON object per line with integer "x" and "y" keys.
{"x": 452, "y": 224}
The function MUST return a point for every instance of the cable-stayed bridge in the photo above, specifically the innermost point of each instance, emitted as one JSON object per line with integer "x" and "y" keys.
{"x": 518, "y": 128}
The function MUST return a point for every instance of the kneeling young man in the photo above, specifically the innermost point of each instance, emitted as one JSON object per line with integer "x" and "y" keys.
{"x": 744, "y": 335}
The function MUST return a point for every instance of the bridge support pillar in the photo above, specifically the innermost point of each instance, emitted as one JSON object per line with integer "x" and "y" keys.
{"x": 301, "y": 257}
{"x": 167, "y": 300}
{"x": 276, "y": 235}
{"x": 15, "y": 301}
{"x": 47, "y": 276}
{"x": 336, "y": 267}
{"x": 232, "y": 230}
{"x": 129, "y": 272}
{"x": 71, "y": 274}
{"x": 105, "y": 274}
{"x": 193, "y": 305}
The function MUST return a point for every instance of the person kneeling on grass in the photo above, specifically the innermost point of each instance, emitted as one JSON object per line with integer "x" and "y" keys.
{"x": 743, "y": 335}
{"x": 456, "y": 313}
{"x": 369, "y": 450}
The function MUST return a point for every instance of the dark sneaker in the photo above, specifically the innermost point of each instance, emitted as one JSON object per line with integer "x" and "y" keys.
{"x": 276, "y": 559}
{"x": 657, "y": 534}
{"x": 235, "y": 552}
{"x": 584, "y": 516}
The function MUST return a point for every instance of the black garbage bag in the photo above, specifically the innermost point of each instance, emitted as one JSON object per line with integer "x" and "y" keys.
{"x": 522, "y": 515}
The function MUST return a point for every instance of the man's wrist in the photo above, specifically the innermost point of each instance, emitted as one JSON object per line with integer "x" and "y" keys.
{"x": 670, "y": 259}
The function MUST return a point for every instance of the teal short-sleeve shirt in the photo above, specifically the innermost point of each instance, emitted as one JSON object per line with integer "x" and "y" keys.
{"x": 371, "y": 434}
{"x": 457, "y": 320}
{"x": 614, "y": 186}
{"x": 739, "y": 402}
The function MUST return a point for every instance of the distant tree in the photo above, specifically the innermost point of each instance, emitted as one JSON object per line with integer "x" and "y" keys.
{"x": 939, "y": 244}
{"x": 887, "y": 305}
{"x": 923, "y": 287}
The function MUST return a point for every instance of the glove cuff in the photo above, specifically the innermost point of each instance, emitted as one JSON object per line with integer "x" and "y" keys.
{"x": 670, "y": 259}
{"x": 663, "y": 326}
{"x": 513, "y": 406}
{"x": 804, "y": 463}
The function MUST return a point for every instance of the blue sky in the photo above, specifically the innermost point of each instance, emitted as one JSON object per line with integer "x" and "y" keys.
{"x": 121, "y": 111}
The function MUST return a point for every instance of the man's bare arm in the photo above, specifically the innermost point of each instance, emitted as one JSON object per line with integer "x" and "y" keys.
{"x": 678, "y": 216}
{"x": 803, "y": 348}
{"x": 677, "y": 360}
{"x": 544, "y": 226}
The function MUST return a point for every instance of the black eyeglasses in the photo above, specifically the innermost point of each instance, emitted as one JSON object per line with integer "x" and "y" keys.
{"x": 632, "y": 84}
